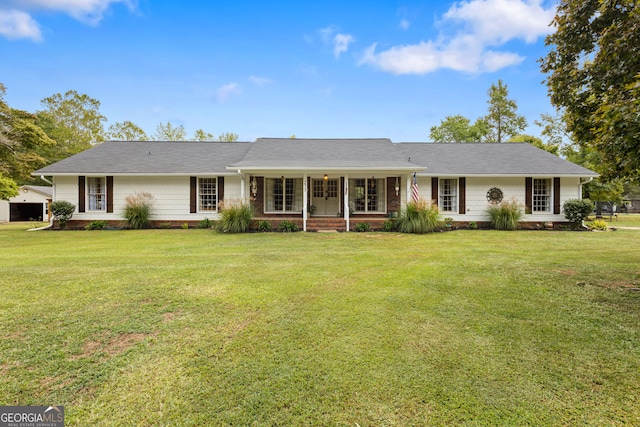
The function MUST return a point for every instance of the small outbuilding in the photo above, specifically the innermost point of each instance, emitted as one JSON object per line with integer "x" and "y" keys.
{"x": 32, "y": 204}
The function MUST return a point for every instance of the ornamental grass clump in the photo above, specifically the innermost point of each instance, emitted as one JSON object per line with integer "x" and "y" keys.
{"x": 418, "y": 218}
{"x": 235, "y": 217}
{"x": 137, "y": 210}
{"x": 505, "y": 215}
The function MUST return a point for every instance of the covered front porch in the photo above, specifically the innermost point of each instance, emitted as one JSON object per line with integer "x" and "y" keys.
{"x": 323, "y": 201}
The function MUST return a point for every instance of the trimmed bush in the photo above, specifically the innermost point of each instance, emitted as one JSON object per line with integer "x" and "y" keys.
{"x": 418, "y": 218}
{"x": 137, "y": 210}
{"x": 577, "y": 210}
{"x": 505, "y": 215}
{"x": 235, "y": 217}
{"x": 362, "y": 227}
{"x": 96, "y": 225}
{"x": 62, "y": 211}
{"x": 264, "y": 226}
{"x": 598, "y": 224}
{"x": 388, "y": 225}
{"x": 287, "y": 226}
{"x": 205, "y": 223}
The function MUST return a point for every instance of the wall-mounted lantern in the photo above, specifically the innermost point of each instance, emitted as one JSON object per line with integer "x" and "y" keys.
{"x": 397, "y": 187}
{"x": 254, "y": 186}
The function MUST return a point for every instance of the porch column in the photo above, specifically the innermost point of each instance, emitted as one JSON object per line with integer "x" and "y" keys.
{"x": 242, "y": 184}
{"x": 345, "y": 196}
{"x": 305, "y": 198}
{"x": 408, "y": 197}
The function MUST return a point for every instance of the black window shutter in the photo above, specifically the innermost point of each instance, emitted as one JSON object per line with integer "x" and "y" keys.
{"x": 81, "y": 193}
{"x": 462, "y": 205}
{"x": 434, "y": 190}
{"x": 528, "y": 196}
{"x": 220, "y": 189}
{"x": 193, "y": 194}
{"x": 556, "y": 195}
{"x": 109, "y": 194}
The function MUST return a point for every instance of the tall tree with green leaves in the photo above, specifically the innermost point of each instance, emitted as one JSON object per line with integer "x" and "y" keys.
{"x": 593, "y": 70}
{"x": 458, "y": 129}
{"x": 20, "y": 138}
{"x": 126, "y": 131}
{"x": 74, "y": 121}
{"x": 169, "y": 132}
{"x": 502, "y": 120}
{"x": 201, "y": 135}
{"x": 228, "y": 137}
{"x": 536, "y": 142}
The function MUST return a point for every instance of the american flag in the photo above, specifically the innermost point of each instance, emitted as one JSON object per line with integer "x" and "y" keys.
{"x": 415, "y": 194}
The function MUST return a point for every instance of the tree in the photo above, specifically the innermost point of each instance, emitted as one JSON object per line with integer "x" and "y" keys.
{"x": 202, "y": 136}
{"x": 554, "y": 130}
{"x": 458, "y": 129}
{"x": 536, "y": 142}
{"x": 74, "y": 121}
{"x": 228, "y": 137}
{"x": 126, "y": 131}
{"x": 20, "y": 138}
{"x": 502, "y": 122}
{"x": 169, "y": 132}
{"x": 592, "y": 69}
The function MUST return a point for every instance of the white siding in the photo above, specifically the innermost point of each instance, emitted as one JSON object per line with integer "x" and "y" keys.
{"x": 512, "y": 188}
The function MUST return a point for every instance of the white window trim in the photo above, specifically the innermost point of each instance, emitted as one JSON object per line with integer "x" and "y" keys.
{"x": 366, "y": 205}
{"x": 549, "y": 196}
{"x": 455, "y": 207}
{"x": 284, "y": 195}
{"x": 199, "y": 194}
{"x": 89, "y": 195}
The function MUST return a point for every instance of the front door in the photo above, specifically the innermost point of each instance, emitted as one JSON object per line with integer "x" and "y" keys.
{"x": 325, "y": 197}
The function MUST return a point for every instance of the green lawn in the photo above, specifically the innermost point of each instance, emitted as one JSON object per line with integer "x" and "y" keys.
{"x": 189, "y": 327}
{"x": 621, "y": 220}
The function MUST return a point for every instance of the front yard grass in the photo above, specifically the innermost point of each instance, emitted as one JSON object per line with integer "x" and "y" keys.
{"x": 189, "y": 327}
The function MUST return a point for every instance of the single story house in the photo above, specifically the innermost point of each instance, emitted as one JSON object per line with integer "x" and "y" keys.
{"x": 31, "y": 204}
{"x": 316, "y": 183}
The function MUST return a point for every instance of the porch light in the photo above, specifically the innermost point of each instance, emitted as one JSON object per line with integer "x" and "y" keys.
{"x": 397, "y": 187}
{"x": 326, "y": 177}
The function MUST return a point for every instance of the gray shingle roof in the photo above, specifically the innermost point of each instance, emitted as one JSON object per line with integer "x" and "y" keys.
{"x": 163, "y": 158}
{"x": 203, "y": 158}
{"x": 466, "y": 159}
{"x": 309, "y": 154}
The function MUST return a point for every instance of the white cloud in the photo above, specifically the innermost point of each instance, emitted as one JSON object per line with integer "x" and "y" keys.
{"x": 478, "y": 26}
{"x": 260, "y": 81}
{"x": 224, "y": 92}
{"x": 15, "y": 24}
{"x": 18, "y": 22}
{"x": 341, "y": 43}
{"x": 404, "y": 24}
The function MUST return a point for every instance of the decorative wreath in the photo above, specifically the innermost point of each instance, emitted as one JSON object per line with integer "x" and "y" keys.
{"x": 494, "y": 195}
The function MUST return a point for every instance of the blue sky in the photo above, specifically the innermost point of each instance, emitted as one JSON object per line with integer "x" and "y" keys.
{"x": 316, "y": 69}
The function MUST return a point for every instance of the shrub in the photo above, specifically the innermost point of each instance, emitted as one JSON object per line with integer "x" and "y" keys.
{"x": 264, "y": 226}
{"x": 287, "y": 226}
{"x": 235, "y": 217}
{"x": 473, "y": 225}
{"x": 418, "y": 217}
{"x": 598, "y": 224}
{"x": 137, "y": 210}
{"x": 62, "y": 211}
{"x": 388, "y": 225}
{"x": 363, "y": 226}
{"x": 577, "y": 210}
{"x": 96, "y": 225}
{"x": 205, "y": 223}
{"x": 505, "y": 215}
{"x": 185, "y": 225}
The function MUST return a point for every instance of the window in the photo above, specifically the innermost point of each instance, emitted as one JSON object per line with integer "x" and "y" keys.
{"x": 207, "y": 194}
{"x": 541, "y": 195}
{"x": 97, "y": 194}
{"x": 283, "y": 195}
{"x": 448, "y": 195}
{"x": 367, "y": 195}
